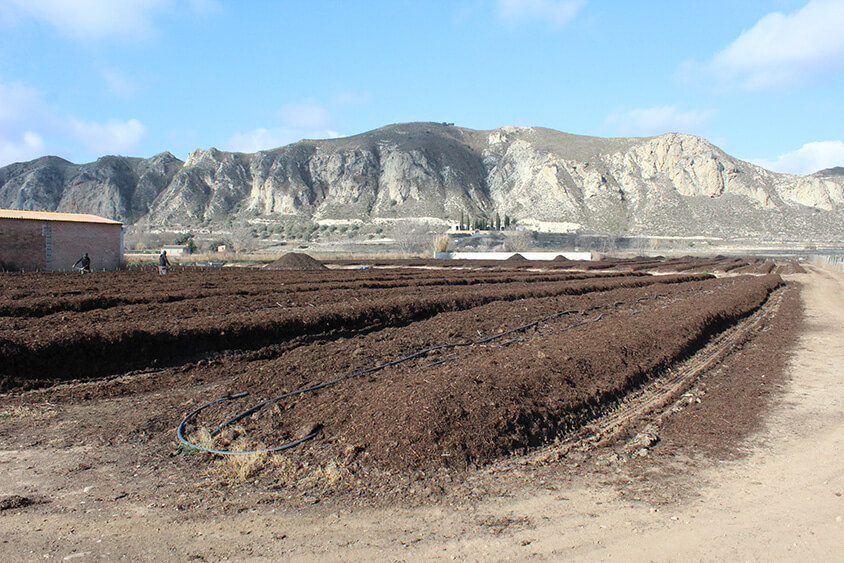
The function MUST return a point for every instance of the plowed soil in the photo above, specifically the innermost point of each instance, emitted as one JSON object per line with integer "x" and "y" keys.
{"x": 409, "y": 383}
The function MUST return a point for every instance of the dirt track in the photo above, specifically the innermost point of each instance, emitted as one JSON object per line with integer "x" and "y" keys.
{"x": 95, "y": 506}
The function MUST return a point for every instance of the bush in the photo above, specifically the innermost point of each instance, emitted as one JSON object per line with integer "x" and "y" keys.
{"x": 186, "y": 239}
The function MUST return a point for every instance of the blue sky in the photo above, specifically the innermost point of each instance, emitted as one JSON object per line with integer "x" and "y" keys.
{"x": 764, "y": 80}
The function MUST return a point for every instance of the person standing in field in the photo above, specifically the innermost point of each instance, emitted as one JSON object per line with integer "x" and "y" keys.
{"x": 83, "y": 264}
{"x": 163, "y": 263}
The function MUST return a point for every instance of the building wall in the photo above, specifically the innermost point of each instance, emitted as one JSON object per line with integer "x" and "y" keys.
{"x": 22, "y": 245}
{"x": 56, "y": 245}
{"x": 72, "y": 240}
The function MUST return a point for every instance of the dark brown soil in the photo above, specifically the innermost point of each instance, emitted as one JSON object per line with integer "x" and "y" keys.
{"x": 296, "y": 261}
{"x": 494, "y": 362}
{"x": 56, "y": 327}
{"x": 14, "y": 501}
{"x": 99, "y": 460}
{"x": 751, "y": 377}
{"x": 719, "y": 264}
{"x": 534, "y": 385}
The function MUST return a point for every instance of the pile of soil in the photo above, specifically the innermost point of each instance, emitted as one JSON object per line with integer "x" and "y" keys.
{"x": 560, "y": 258}
{"x": 296, "y": 261}
{"x": 517, "y": 258}
{"x": 791, "y": 267}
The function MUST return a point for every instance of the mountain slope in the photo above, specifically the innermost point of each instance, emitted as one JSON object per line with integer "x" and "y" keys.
{"x": 673, "y": 184}
{"x": 114, "y": 187}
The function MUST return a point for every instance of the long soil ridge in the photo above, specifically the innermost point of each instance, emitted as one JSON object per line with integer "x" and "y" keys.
{"x": 663, "y": 394}
{"x": 119, "y": 349}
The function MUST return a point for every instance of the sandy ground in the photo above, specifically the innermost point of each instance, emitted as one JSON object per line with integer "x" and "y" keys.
{"x": 782, "y": 501}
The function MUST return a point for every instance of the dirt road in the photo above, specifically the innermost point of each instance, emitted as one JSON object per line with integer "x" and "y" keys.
{"x": 782, "y": 501}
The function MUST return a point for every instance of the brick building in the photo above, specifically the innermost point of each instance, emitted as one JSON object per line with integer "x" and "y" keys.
{"x": 50, "y": 241}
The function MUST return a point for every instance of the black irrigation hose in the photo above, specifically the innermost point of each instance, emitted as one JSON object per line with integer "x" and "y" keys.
{"x": 180, "y": 431}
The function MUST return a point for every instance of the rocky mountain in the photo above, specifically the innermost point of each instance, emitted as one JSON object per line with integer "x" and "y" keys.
{"x": 673, "y": 184}
{"x": 835, "y": 171}
{"x": 115, "y": 187}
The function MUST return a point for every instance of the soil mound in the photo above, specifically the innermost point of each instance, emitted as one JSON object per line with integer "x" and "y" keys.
{"x": 560, "y": 258}
{"x": 517, "y": 258}
{"x": 14, "y": 501}
{"x": 296, "y": 261}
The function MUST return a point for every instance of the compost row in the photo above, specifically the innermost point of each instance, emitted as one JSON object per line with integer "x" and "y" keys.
{"x": 488, "y": 400}
{"x": 98, "y": 343}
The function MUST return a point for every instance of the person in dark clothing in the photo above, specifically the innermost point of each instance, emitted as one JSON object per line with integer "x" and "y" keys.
{"x": 83, "y": 264}
{"x": 163, "y": 263}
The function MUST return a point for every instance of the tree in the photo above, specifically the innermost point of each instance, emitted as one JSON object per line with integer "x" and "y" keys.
{"x": 186, "y": 239}
{"x": 519, "y": 241}
{"x": 412, "y": 239}
{"x": 441, "y": 243}
{"x": 497, "y": 221}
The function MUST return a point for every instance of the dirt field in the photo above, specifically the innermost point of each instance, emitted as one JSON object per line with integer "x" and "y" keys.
{"x": 533, "y": 414}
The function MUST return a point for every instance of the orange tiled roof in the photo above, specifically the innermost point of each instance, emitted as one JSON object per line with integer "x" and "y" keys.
{"x": 54, "y": 216}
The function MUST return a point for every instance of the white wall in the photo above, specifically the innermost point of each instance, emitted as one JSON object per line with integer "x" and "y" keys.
{"x": 506, "y": 255}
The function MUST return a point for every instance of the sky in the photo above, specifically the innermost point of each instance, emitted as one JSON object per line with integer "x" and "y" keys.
{"x": 763, "y": 80}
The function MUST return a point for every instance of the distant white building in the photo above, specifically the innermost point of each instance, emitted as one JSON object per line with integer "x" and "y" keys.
{"x": 549, "y": 226}
{"x": 569, "y": 255}
{"x": 176, "y": 250}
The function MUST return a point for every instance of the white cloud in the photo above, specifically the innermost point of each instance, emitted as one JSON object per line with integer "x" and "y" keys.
{"x": 351, "y": 99}
{"x": 647, "y": 122}
{"x": 111, "y": 137}
{"x": 21, "y": 112}
{"x": 305, "y": 115}
{"x": 30, "y": 127}
{"x": 781, "y": 49}
{"x": 555, "y": 13}
{"x": 16, "y": 102}
{"x": 261, "y": 139}
{"x": 119, "y": 83}
{"x": 808, "y": 159}
{"x": 301, "y": 120}
{"x": 28, "y": 146}
{"x": 92, "y": 20}
{"x": 204, "y": 7}
{"x": 266, "y": 139}
{"x": 95, "y": 19}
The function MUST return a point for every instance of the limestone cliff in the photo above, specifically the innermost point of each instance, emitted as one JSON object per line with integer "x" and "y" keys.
{"x": 673, "y": 184}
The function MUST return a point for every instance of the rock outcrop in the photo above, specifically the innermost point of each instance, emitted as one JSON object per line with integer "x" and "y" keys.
{"x": 115, "y": 187}
{"x": 673, "y": 184}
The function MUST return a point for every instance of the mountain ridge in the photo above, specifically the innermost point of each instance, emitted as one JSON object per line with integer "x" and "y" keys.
{"x": 672, "y": 184}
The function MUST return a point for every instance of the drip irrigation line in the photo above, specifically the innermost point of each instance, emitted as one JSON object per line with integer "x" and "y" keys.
{"x": 442, "y": 361}
{"x": 240, "y": 416}
{"x": 180, "y": 433}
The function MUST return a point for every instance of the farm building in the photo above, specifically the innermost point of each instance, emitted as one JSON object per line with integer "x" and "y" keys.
{"x": 50, "y": 241}
{"x": 177, "y": 250}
